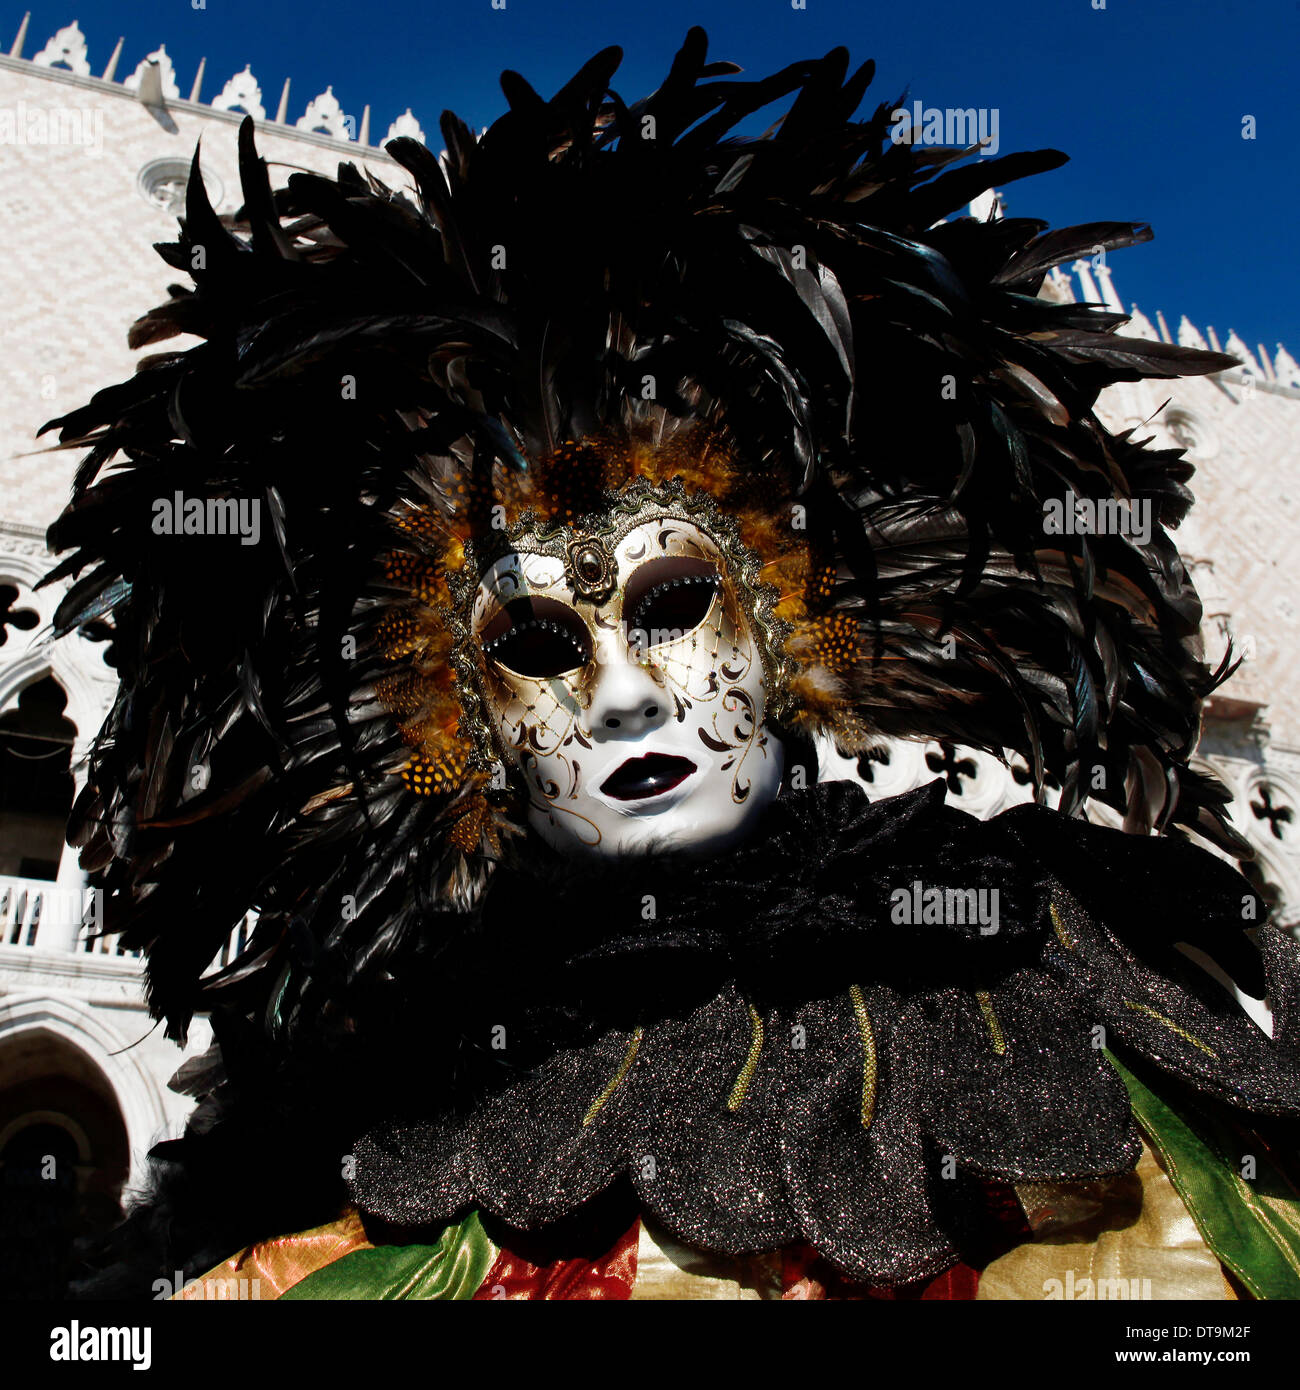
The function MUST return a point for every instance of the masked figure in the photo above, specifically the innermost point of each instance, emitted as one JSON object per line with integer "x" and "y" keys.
{"x": 665, "y": 458}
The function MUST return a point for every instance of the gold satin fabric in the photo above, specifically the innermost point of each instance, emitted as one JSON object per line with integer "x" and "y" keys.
{"x": 667, "y": 1269}
{"x": 1115, "y": 1240}
{"x": 266, "y": 1269}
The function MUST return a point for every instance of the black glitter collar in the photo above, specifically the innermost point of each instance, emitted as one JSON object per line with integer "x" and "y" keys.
{"x": 772, "y": 1051}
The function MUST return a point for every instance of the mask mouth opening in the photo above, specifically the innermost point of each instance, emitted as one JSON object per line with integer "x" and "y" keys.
{"x": 650, "y": 775}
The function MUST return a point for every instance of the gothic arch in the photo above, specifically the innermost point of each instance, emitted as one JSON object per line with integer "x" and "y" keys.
{"x": 136, "y": 1090}
{"x": 77, "y": 664}
{"x": 49, "y": 1117}
{"x": 85, "y": 707}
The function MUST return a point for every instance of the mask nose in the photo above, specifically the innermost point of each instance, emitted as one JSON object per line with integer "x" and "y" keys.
{"x": 626, "y": 701}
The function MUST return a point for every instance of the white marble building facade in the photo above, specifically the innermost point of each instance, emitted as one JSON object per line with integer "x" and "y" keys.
{"x": 79, "y": 215}
{"x": 93, "y": 168}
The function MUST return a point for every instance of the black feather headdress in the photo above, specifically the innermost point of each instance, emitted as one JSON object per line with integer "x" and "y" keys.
{"x": 814, "y": 299}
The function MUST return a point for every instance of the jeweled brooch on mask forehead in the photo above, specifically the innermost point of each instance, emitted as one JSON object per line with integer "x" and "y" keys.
{"x": 590, "y": 569}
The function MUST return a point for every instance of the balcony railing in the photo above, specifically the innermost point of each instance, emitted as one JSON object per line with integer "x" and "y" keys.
{"x": 47, "y": 917}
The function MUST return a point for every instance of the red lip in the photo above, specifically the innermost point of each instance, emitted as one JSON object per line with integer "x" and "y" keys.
{"x": 651, "y": 775}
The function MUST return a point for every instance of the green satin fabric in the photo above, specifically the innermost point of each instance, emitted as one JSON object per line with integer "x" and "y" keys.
{"x": 452, "y": 1268}
{"x": 1253, "y": 1226}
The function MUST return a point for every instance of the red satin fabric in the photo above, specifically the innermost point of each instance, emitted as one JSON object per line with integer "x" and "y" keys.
{"x": 609, "y": 1277}
{"x": 806, "y": 1275}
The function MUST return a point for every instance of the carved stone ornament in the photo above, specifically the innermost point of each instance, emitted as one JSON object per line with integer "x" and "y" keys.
{"x": 68, "y": 49}
{"x": 241, "y": 93}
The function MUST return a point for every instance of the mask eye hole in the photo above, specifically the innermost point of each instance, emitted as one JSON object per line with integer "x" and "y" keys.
{"x": 538, "y": 638}
{"x": 668, "y": 599}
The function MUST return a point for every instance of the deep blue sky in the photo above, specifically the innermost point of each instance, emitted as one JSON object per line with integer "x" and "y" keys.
{"x": 1147, "y": 96}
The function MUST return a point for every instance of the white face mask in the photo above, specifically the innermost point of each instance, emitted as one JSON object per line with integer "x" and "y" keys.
{"x": 636, "y": 716}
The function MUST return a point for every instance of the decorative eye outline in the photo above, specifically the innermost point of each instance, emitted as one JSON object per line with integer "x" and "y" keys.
{"x": 537, "y": 638}
{"x": 672, "y": 595}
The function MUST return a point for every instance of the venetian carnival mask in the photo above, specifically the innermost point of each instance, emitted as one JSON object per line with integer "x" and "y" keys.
{"x": 605, "y": 646}
{"x": 624, "y": 680}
